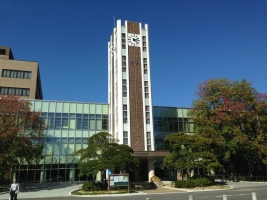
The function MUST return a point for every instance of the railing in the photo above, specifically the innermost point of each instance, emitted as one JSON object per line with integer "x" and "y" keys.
{"x": 240, "y": 178}
{"x": 4, "y": 189}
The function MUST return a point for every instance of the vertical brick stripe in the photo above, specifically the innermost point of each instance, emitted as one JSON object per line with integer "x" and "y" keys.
{"x": 133, "y": 27}
{"x": 136, "y": 99}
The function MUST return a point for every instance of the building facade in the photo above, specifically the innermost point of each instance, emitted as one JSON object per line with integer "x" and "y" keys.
{"x": 19, "y": 77}
{"x": 70, "y": 124}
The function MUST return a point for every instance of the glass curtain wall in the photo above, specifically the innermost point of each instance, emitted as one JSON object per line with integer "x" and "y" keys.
{"x": 168, "y": 120}
{"x": 69, "y": 126}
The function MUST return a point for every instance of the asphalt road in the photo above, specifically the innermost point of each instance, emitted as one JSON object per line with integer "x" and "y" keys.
{"x": 239, "y": 192}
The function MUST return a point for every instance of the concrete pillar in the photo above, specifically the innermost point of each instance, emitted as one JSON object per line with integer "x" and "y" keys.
{"x": 224, "y": 197}
{"x": 98, "y": 176}
{"x": 42, "y": 175}
{"x": 192, "y": 173}
{"x": 72, "y": 175}
{"x": 13, "y": 176}
{"x": 212, "y": 172}
{"x": 179, "y": 175}
{"x": 151, "y": 171}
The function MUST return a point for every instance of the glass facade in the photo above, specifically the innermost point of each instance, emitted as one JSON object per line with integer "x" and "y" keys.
{"x": 69, "y": 126}
{"x": 168, "y": 120}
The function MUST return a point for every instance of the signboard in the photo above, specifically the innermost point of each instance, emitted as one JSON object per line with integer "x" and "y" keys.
{"x": 141, "y": 153}
{"x": 117, "y": 180}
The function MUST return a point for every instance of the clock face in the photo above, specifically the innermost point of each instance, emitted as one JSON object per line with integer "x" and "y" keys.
{"x": 134, "y": 40}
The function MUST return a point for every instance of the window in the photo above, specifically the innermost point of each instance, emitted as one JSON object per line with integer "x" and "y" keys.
{"x": 104, "y": 124}
{"x": 147, "y": 115}
{"x": 123, "y": 41}
{"x": 65, "y": 123}
{"x": 85, "y": 124}
{"x": 15, "y": 91}
{"x": 144, "y": 43}
{"x": 146, "y": 90}
{"x": 124, "y": 87}
{"x": 2, "y": 52}
{"x": 124, "y": 113}
{"x": 16, "y": 74}
{"x": 148, "y": 134}
{"x": 123, "y": 63}
{"x": 145, "y": 65}
{"x": 125, "y": 137}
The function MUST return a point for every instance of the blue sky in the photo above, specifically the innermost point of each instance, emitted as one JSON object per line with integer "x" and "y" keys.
{"x": 190, "y": 41}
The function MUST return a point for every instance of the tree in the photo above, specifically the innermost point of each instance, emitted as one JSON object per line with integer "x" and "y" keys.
{"x": 189, "y": 152}
{"x": 234, "y": 116}
{"x": 103, "y": 153}
{"x": 21, "y": 134}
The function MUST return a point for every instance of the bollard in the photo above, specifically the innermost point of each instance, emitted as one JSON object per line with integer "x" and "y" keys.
{"x": 191, "y": 197}
{"x": 254, "y": 196}
{"x": 224, "y": 197}
{"x": 147, "y": 198}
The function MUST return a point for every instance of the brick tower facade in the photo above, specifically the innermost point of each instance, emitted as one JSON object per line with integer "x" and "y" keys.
{"x": 130, "y": 99}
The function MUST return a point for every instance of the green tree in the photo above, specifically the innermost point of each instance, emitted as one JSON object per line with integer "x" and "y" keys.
{"x": 189, "y": 152}
{"x": 21, "y": 134}
{"x": 103, "y": 153}
{"x": 234, "y": 116}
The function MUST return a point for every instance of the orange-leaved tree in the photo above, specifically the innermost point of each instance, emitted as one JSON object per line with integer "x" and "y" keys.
{"x": 234, "y": 115}
{"x": 21, "y": 134}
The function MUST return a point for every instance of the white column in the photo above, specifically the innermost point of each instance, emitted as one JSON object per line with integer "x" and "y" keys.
{"x": 13, "y": 175}
{"x": 212, "y": 172}
{"x": 72, "y": 175}
{"x": 98, "y": 176}
{"x": 192, "y": 173}
{"x": 42, "y": 175}
{"x": 151, "y": 171}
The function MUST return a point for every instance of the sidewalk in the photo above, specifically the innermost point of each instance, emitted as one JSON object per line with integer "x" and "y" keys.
{"x": 45, "y": 192}
{"x": 62, "y": 191}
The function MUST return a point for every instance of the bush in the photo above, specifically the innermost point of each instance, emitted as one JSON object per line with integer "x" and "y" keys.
{"x": 202, "y": 180}
{"x": 190, "y": 183}
{"x": 195, "y": 181}
{"x": 180, "y": 184}
{"x": 92, "y": 186}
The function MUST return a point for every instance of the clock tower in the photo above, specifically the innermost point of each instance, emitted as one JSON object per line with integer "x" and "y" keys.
{"x": 130, "y": 98}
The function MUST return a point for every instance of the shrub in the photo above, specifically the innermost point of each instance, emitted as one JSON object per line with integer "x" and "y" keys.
{"x": 202, "y": 180}
{"x": 180, "y": 184}
{"x": 195, "y": 181}
{"x": 190, "y": 183}
{"x": 92, "y": 186}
